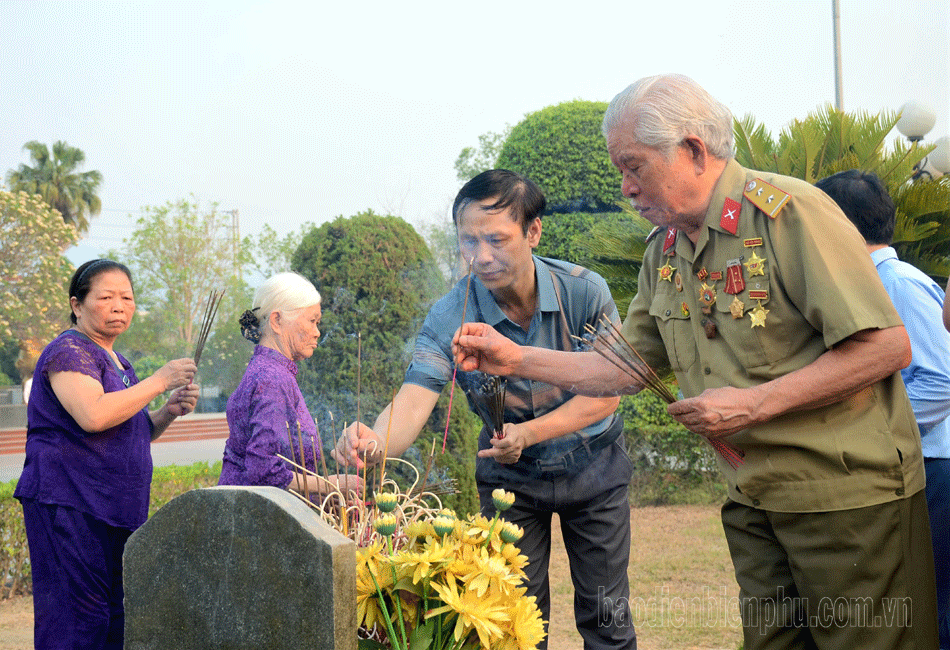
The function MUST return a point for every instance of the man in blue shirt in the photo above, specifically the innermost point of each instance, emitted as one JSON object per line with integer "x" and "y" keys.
{"x": 560, "y": 452}
{"x": 918, "y": 300}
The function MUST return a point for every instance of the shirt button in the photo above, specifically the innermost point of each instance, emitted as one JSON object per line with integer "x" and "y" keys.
{"x": 756, "y": 502}
{"x": 707, "y": 371}
{"x": 899, "y": 492}
{"x": 668, "y": 312}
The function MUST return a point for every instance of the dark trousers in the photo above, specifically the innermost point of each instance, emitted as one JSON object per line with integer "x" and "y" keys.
{"x": 843, "y": 580}
{"x": 594, "y": 510}
{"x": 76, "y": 562}
{"x": 938, "y": 505}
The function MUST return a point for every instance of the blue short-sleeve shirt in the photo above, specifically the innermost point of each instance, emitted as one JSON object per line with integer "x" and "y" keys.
{"x": 569, "y": 296}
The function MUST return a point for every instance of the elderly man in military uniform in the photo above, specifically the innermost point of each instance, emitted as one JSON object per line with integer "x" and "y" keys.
{"x": 759, "y": 294}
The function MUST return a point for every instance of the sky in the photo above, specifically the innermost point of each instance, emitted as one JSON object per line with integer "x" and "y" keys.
{"x": 291, "y": 112}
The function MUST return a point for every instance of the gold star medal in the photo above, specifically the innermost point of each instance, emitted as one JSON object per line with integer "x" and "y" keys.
{"x": 707, "y": 296}
{"x": 758, "y": 315}
{"x": 666, "y": 272}
{"x": 737, "y": 307}
{"x": 755, "y": 265}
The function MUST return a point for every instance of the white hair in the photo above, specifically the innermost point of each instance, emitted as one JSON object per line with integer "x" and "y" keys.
{"x": 664, "y": 109}
{"x": 284, "y": 293}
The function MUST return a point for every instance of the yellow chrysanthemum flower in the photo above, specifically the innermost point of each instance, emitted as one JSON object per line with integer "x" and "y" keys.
{"x": 490, "y": 571}
{"x": 525, "y": 629}
{"x": 502, "y": 499}
{"x": 419, "y": 565}
{"x": 484, "y": 615}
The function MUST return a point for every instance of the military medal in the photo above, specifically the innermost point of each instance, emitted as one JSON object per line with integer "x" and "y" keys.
{"x": 666, "y": 272}
{"x": 715, "y": 276}
{"x": 685, "y": 308}
{"x": 755, "y": 265}
{"x": 758, "y": 315}
{"x": 709, "y": 328}
{"x": 735, "y": 283}
{"x": 737, "y": 307}
{"x": 702, "y": 274}
{"x": 678, "y": 282}
{"x": 707, "y": 296}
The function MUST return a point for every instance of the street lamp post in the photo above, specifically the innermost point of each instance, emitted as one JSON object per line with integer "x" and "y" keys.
{"x": 915, "y": 122}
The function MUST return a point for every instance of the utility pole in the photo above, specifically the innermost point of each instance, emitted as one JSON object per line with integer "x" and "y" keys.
{"x": 836, "y": 23}
{"x": 236, "y": 241}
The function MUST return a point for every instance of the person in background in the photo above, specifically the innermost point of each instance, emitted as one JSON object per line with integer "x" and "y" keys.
{"x": 88, "y": 469}
{"x": 560, "y": 453}
{"x": 267, "y": 409}
{"x": 759, "y": 294}
{"x": 919, "y": 302}
{"x": 946, "y": 308}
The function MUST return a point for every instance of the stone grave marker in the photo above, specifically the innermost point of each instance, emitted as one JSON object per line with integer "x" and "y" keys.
{"x": 239, "y": 568}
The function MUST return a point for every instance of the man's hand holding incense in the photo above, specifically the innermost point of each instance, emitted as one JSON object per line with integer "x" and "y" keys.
{"x": 717, "y": 412}
{"x": 508, "y": 449}
{"x": 358, "y": 446}
{"x": 477, "y": 346}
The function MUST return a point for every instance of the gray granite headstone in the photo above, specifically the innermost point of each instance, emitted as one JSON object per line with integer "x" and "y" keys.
{"x": 239, "y": 568}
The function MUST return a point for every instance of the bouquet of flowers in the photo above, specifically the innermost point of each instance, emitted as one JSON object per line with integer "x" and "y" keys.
{"x": 426, "y": 579}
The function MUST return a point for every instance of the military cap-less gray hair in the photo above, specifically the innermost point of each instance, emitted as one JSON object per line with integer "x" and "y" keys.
{"x": 284, "y": 292}
{"x": 664, "y": 109}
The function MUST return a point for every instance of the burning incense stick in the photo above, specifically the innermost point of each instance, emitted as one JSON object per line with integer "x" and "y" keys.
{"x": 448, "y": 414}
{"x": 211, "y": 310}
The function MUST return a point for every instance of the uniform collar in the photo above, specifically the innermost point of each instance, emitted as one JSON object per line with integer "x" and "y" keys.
{"x": 730, "y": 185}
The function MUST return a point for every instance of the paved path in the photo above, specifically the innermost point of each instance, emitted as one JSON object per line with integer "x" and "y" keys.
{"x": 193, "y": 438}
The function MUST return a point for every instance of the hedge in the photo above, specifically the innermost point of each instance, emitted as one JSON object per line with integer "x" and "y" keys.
{"x": 167, "y": 483}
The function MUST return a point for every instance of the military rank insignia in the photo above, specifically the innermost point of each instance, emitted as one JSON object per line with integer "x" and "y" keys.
{"x": 767, "y": 198}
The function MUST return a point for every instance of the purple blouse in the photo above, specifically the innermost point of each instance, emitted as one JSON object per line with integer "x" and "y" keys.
{"x": 266, "y": 404}
{"x": 106, "y": 474}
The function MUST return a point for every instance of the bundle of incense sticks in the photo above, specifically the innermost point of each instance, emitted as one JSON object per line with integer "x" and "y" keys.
{"x": 492, "y": 394}
{"x": 611, "y": 344}
{"x": 448, "y": 415}
{"x": 211, "y": 310}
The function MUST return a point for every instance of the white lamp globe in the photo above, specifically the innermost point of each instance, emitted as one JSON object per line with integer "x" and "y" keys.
{"x": 916, "y": 120}
{"x": 939, "y": 158}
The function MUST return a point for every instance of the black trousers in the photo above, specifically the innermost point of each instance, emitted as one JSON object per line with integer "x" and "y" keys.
{"x": 593, "y": 507}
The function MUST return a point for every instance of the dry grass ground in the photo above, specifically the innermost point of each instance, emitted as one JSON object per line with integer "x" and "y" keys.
{"x": 683, "y": 592}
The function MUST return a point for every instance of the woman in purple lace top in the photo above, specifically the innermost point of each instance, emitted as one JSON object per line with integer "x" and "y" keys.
{"x": 267, "y": 410}
{"x": 85, "y": 482}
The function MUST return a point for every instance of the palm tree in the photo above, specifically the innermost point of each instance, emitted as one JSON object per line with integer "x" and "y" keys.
{"x": 830, "y": 141}
{"x": 56, "y": 179}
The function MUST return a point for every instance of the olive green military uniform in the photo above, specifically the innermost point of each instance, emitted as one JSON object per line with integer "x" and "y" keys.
{"x": 779, "y": 276}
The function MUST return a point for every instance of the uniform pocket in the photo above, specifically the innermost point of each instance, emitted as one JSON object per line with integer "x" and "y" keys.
{"x": 673, "y": 321}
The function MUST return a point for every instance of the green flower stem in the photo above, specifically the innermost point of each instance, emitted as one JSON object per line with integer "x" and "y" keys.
{"x": 389, "y": 625}
{"x": 492, "y": 529}
{"x": 402, "y": 625}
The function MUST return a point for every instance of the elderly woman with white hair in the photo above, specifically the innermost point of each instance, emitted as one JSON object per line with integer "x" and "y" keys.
{"x": 267, "y": 409}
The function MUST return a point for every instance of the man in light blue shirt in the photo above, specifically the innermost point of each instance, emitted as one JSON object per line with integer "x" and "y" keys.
{"x": 918, "y": 300}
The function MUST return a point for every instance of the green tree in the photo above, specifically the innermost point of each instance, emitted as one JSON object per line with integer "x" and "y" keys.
{"x": 472, "y": 161}
{"x": 270, "y": 253}
{"x": 377, "y": 279}
{"x": 34, "y": 274}
{"x": 829, "y": 141}
{"x": 178, "y": 254}
{"x": 562, "y": 150}
{"x": 56, "y": 178}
